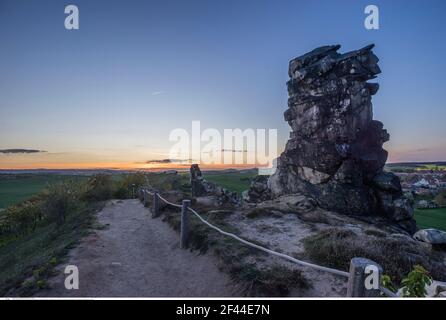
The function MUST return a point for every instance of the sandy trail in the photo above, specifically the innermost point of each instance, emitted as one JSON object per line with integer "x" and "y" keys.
{"x": 136, "y": 256}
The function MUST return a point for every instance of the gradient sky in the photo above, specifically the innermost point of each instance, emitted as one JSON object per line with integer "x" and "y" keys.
{"x": 110, "y": 93}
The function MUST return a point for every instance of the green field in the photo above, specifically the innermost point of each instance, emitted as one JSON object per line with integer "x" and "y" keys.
{"x": 431, "y": 218}
{"x": 237, "y": 181}
{"x": 415, "y": 166}
{"x": 432, "y": 167}
{"x": 17, "y": 188}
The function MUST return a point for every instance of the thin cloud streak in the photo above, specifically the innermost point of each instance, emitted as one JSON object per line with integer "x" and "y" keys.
{"x": 20, "y": 151}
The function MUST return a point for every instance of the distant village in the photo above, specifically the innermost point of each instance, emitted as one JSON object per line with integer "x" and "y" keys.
{"x": 427, "y": 187}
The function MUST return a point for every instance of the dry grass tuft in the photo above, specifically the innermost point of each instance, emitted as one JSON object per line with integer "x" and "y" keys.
{"x": 335, "y": 247}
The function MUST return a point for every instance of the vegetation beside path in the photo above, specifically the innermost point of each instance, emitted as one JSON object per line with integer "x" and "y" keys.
{"x": 35, "y": 235}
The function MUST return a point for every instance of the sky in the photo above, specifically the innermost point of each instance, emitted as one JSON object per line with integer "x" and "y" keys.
{"x": 110, "y": 93}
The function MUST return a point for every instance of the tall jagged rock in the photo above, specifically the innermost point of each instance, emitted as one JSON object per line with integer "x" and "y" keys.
{"x": 334, "y": 153}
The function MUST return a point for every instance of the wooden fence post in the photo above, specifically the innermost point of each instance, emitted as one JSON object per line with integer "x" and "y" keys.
{"x": 184, "y": 224}
{"x": 144, "y": 196}
{"x": 356, "y": 286}
{"x": 155, "y": 205}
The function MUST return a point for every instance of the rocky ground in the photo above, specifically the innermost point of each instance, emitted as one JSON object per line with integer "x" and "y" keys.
{"x": 295, "y": 226}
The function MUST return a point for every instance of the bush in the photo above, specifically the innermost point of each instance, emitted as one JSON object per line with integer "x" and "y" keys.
{"x": 22, "y": 218}
{"x": 99, "y": 188}
{"x": 61, "y": 199}
{"x": 276, "y": 281}
{"x": 168, "y": 182}
{"x": 415, "y": 283}
{"x": 51, "y": 205}
{"x": 129, "y": 183}
{"x": 440, "y": 199}
{"x": 121, "y": 192}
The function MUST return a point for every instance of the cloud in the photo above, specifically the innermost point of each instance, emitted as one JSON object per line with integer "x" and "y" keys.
{"x": 20, "y": 151}
{"x": 167, "y": 161}
{"x": 233, "y": 150}
{"x": 157, "y": 93}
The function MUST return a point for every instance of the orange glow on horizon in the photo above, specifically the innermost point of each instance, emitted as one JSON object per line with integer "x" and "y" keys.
{"x": 121, "y": 166}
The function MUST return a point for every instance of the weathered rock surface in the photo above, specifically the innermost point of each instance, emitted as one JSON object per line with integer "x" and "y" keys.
{"x": 334, "y": 154}
{"x": 258, "y": 190}
{"x": 203, "y": 188}
{"x": 432, "y": 236}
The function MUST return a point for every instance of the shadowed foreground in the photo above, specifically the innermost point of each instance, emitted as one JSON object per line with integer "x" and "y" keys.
{"x": 136, "y": 256}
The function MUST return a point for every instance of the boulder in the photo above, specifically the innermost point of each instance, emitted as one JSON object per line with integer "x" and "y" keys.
{"x": 432, "y": 236}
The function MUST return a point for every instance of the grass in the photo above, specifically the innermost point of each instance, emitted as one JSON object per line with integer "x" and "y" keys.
{"x": 335, "y": 247}
{"x": 415, "y": 166}
{"x": 27, "y": 261}
{"x": 431, "y": 218}
{"x": 234, "y": 181}
{"x": 36, "y": 234}
{"x": 432, "y": 167}
{"x": 17, "y": 188}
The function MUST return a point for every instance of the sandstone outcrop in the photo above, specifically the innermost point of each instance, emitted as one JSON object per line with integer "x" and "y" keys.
{"x": 335, "y": 154}
{"x": 202, "y": 188}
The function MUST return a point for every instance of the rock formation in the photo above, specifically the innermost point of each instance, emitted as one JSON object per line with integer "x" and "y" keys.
{"x": 334, "y": 154}
{"x": 201, "y": 188}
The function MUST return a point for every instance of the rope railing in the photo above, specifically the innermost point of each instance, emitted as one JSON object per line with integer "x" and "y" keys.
{"x": 170, "y": 203}
{"x": 356, "y": 275}
{"x": 253, "y": 245}
{"x": 387, "y": 292}
{"x": 275, "y": 253}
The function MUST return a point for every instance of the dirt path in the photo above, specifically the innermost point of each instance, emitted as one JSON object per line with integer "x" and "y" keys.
{"x": 136, "y": 256}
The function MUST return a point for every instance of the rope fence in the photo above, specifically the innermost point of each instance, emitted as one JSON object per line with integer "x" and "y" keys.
{"x": 356, "y": 275}
{"x": 275, "y": 253}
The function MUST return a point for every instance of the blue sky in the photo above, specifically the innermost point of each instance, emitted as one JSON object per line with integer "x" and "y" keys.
{"x": 113, "y": 90}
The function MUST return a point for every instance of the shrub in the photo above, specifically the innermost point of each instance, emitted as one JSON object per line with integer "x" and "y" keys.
{"x": 129, "y": 183}
{"x": 335, "y": 247}
{"x": 276, "y": 281}
{"x": 121, "y": 192}
{"x": 61, "y": 199}
{"x": 440, "y": 199}
{"x": 22, "y": 218}
{"x": 415, "y": 283}
{"x": 99, "y": 188}
{"x": 168, "y": 182}
{"x": 386, "y": 282}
